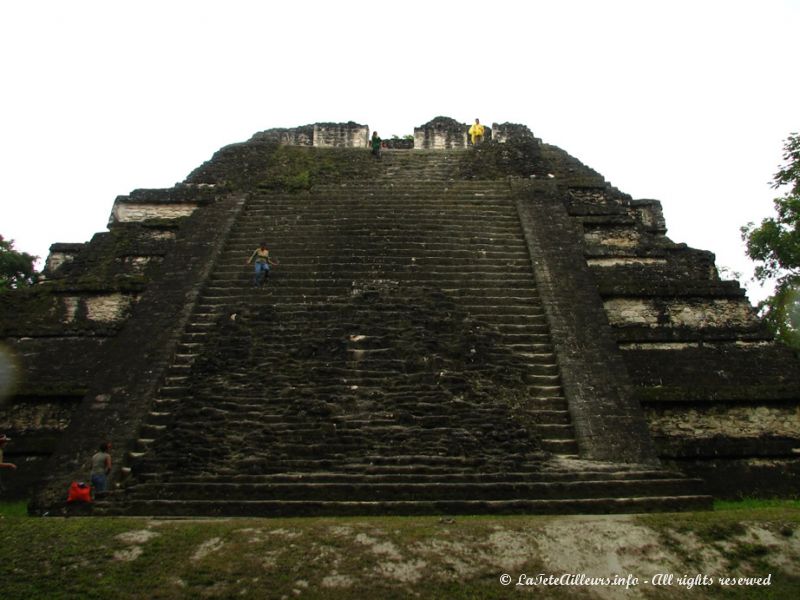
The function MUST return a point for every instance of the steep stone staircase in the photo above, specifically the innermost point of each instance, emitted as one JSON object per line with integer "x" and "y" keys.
{"x": 398, "y": 361}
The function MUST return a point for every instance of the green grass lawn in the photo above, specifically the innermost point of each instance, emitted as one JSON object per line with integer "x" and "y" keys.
{"x": 393, "y": 557}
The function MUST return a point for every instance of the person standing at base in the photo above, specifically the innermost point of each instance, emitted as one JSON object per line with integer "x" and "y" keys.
{"x": 4, "y": 465}
{"x": 375, "y": 143}
{"x": 476, "y": 132}
{"x": 101, "y": 468}
{"x": 262, "y": 264}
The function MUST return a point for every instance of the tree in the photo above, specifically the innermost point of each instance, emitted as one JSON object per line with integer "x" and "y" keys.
{"x": 775, "y": 246}
{"x": 16, "y": 268}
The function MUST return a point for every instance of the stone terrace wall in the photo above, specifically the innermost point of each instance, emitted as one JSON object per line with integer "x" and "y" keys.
{"x": 62, "y": 330}
{"x": 720, "y": 395}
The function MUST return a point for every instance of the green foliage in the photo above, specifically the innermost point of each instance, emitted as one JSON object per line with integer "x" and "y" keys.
{"x": 775, "y": 246}
{"x": 13, "y": 509}
{"x": 518, "y": 157}
{"x": 299, "y": 168}
{"x": 756, "y": 503}
{"x": 16, "y": 268}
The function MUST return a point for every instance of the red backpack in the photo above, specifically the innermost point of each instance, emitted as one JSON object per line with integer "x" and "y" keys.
{"x": 79, "y": 492}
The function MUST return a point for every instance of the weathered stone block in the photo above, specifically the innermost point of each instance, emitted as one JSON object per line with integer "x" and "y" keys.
{"x": 341, "y": 135}
{"x": 60, "y": 254}
{"x": 439, "y": 134}
{"x": 698, "y": 313}
{"x": 131, "y": 212}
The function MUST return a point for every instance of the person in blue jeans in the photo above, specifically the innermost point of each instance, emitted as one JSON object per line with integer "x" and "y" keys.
{"x": 262, "y": 264}
{"x": 101, "y": 468}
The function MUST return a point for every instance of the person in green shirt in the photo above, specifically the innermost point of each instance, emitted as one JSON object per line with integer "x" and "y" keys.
{"x": 375, "y": 142}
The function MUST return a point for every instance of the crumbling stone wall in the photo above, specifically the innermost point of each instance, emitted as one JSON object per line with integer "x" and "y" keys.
{"x": 62, "y": 330}
{"x": 341, "y": 135}
{"x": 321, "y": 135}
{"x": 441, "y": 133}
{"x": 59, "y": 254}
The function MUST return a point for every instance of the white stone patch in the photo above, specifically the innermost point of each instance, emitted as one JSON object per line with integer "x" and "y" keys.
{"x": 138, "y": 263}
{"x": 603, "y": 547}
{"x": 340, "y": 530}
{"x": 684, "y": 345}
{"x": 659, "y": 346}
{"x": 335, "y": 580}
{"x": 161, "y": 234}
{"x": 404, "y": 572}
{"x": 613, "y": 237}
{"x": 731, "y": 422}
{"x": 341, "y": 137}
{"x": 618, "y": 261}
{"x": 650, "y": 215}
{"x": 269, "y": 559}
{"x": 254, "y": 536}
{"x": 631, "y": 311}
{"x": 206, "y": 548}
{"x": 717, "y": 312}
{"x": 509, "y": 548}
{"x": 784, "y": 550}
{"x": 56, "y": 259}
{"x": 132, "y": 212}
{"x": 286, "y": 533}
{"x": 436, "y": 140}
{"x": 128, "y": 554}
{"x": 378, "y": 547}
{"x": 108, "y": 308}
{"x": 70, "y": 304}
{"x": 140, "y": 536}
{"x": 461, "y": 558}
{"x": 697, "y": 314}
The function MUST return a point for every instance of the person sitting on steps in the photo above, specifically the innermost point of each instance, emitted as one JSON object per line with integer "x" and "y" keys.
{"x": 262, "y": 264}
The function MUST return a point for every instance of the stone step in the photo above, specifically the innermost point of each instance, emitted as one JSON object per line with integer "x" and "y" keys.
{"x": 383, "y": 211}
{"x": 541, "y": 472}
{"x": 464, "y": 297}
{"x": 147, "y": 466}
{"x": 550, "y": 417}
{"x": 560, "y": 447}
{"x": 354, "y": 249}
{"x": 382, "y": 198}
{"x": 275, "y": 508}
{"x": 409, "y": 227}
{"x": 554, "y": 431}
{"x": 409, "y": 491}
{"x": 463, "y": 238}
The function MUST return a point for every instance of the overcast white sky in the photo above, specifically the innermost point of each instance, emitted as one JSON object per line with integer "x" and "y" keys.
{"x": 687, "y": 102}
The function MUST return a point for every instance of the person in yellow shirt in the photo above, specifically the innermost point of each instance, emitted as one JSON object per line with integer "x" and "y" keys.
{"x": 476, "y": 132}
